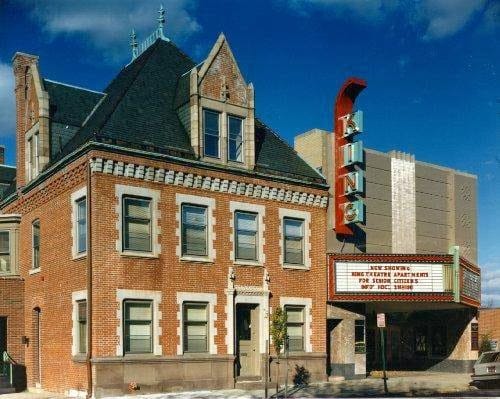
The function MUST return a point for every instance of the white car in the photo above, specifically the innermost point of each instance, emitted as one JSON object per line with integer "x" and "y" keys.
{"x": 487, "y": 369}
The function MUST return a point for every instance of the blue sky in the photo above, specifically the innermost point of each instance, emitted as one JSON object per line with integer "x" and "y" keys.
{"x": 432, "y": 68}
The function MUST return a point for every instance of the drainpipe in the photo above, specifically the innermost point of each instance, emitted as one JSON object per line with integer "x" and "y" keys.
{"x": 89, "y": 280}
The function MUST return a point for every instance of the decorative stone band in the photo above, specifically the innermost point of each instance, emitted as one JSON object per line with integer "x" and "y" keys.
{"x": 176, "y": 178}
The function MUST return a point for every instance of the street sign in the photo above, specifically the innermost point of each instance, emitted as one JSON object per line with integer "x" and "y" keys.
{"x": 381, "y": 320}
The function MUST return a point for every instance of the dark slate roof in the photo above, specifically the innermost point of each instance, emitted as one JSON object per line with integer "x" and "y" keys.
{"x": 7, "y": 180}
{"x": 139, "y": 110}
{"x": 272, "y": 153}
{"x": 70, "y": 105}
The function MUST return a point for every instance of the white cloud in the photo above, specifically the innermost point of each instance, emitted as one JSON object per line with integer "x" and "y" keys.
{"x": 7, "y": 102}
{"x": 490, "y": 282}
{"x": 436, "y": 19}
{"x": 106, "y": 25}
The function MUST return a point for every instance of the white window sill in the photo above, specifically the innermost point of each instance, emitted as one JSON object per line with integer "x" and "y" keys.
{"x": 199, "y": 259}
{"x": 34, "y": 271}
{"x": 241, "y": 262}
{"x": 295, "y": 267}
{"x": 80, "y": 256}
{"x": 137, "y": 254}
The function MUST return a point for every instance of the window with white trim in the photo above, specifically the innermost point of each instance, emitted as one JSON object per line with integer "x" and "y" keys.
{"x": 195, "y": 327}
{"x": 137, "y": 224}
{"x": 235, "y": 138}
{"x": 33, "y": 156}
{"x": 81, "y": 225}
{"x": 359, "y": 336}
{"x": 246, "y": 235}
{"x": 82, "y": 326}
{"x": 194, "y": 230}
{"x": 295, "y": 327}
{"x": 35, "y": 228}
{"x": 5, "y": 252}
{"x": 211, "y": 133}
{"x": 138, "y": 326}
{"x": 293, "y": 248}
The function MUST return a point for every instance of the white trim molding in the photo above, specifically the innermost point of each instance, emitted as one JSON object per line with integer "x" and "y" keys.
{"x": 76, "y": 296}
{"x": 261, "y": 213}
{"x": 194, "y": 181}
{"x": 211, "y": 237}
{"x": 307, "y": 304}
{"x": 306, "y": 216}
{"x": 75, "y": 196}
{"x": 211, "y": 300}
{"x": 124, "y": 190}
{"x": 155, "y": 297}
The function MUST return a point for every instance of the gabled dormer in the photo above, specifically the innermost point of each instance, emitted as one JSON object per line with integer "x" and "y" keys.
{"x": 221, "y": 110}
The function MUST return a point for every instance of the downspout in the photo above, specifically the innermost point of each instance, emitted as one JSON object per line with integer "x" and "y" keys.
{"x": 89, "y": 280}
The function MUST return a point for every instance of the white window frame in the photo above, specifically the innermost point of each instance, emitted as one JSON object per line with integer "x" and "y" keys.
{"x": 306, "y": 303}
{"x": 207, "y": 202}
{"x": 8, "y": 231}
{"x": 242, "y": 120}
{"x": 235, "y": 206}
{"x": 34, "y": 270}
{"x": 75, "y": 197}
{"x": 211, "y": 301}
{"x": 32, "y": 171}
{"x": 140, "y": 295}
{"x": 77, "y": 296}
{"x": 296, "y": 214}
{"x": 134, "y": 191}
{"x": 219, "y": 148}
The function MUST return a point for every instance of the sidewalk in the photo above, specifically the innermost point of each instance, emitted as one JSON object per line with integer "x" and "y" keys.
{"x": 410, "y": 385}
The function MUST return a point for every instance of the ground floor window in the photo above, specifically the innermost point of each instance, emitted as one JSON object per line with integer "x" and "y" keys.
{"x": 138, "y": 326}
{"x": 195, "y": 327}
{"x": 359, "y": 336}
{"x": 82, "y": 326}
{"x": 295, "y": 327}
{"x": 420, "y": 341}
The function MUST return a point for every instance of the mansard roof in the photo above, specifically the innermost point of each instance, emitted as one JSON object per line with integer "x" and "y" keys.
{"x": 139, "y": 109}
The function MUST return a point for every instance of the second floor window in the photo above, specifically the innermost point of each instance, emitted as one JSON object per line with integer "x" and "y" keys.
{"x": 36, "y": 244}
{"x": 81, "y": 225}
{"x": 194, "y": 230}
{"x": 294, "y": 241}
{"x": 4, "y": 252}
{"x": 211, "y": 133}
{"x": 138, "y": 326}
{"x": 246, "y": 235}
{"x": 137, "y": 224}
{"x": 235, "y": 138}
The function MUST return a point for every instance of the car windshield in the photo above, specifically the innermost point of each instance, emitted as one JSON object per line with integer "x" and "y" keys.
{"x": 489, "y": 357}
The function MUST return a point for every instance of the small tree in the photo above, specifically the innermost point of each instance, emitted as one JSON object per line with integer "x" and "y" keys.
{"x": 485, "y": 343}
{"x": 278, "y": 334}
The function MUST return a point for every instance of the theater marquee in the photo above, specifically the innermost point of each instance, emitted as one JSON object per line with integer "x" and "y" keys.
{"x": 388, "y": 277}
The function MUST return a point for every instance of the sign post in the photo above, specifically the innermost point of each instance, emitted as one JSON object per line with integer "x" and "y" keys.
{"x": 381, "y": 326}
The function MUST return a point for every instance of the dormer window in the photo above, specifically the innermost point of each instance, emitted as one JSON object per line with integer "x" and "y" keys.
{"x": 211, "y": 133}
{"x": 235, "y": 137}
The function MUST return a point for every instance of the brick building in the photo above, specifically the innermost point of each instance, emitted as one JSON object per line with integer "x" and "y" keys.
{"x": 152, "y": 228}
{"x": 489, "y": 325}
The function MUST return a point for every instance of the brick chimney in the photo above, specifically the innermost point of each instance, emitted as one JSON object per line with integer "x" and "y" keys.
{"x": 32, "y": 106}
{"x": 2, "y": 155}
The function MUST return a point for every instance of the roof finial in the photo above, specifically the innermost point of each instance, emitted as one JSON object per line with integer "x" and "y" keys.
{"x": 161, "y": 21}
{"x": 134, "y": 44}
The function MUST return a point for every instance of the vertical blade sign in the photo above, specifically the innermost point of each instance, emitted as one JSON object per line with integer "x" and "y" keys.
{"x": 349, "y": 180}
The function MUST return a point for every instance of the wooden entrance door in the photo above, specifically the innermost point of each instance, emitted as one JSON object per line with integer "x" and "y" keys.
{"x": 247, "y": 340}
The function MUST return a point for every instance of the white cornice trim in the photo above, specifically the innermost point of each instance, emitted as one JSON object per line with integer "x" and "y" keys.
{"x": 190, "y": 180}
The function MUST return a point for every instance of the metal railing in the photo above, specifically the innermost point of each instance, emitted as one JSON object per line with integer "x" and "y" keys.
{"x": 6, "y": 368}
